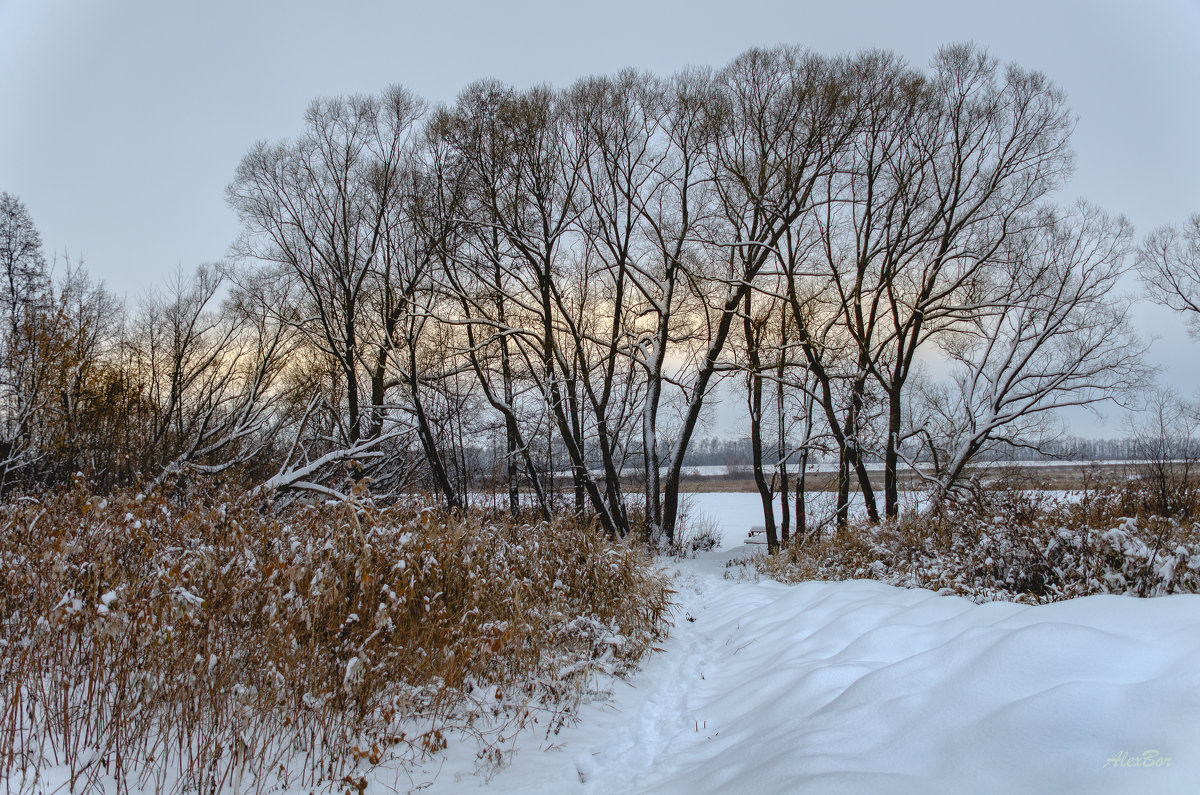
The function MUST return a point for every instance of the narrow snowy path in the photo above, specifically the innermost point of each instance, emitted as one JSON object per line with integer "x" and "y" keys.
{"x": 863, "y": 687}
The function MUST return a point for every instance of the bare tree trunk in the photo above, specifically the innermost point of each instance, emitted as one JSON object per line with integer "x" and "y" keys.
{"x": 441, "y": 478}
{"x": 695, "y": 405}
{"x": 754, "y": 399}
{"x": 781, "y": 447}
{"x": 891, "y": 461}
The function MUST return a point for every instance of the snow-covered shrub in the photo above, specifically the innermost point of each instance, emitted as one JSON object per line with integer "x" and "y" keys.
{"x": 1024, "y": 547}
{"x": 705, "y": 539}
{"x": 695, "y": 533}
{"x": 221, "y": 643}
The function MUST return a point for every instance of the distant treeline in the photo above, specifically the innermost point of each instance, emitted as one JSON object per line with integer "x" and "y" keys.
{"x": 712, "y": 451}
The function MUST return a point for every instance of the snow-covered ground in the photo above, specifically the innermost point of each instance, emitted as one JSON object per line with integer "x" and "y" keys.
{"x": 864, "y": 687}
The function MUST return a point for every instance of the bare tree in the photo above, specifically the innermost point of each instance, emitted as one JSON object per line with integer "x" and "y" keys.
{"x": 469, "y": 150}
{"x": 318, "y": 208}
{"x": 23, "y": 365}
{"x": 208, "y": 375}
{"x": 777, "y": 123}
{"x": 1169, "y": 264}
{"x": 22, "y": 263}
{"x": 525, "y": 157}
{"x": 943, "y": 171}
{"x": 1164, "y": 433}
{"x": 88, "y": 405}
{"x": 755, "y": 332}
{"x": 674, "y": 203}
{"x": 1055, "y": 334}
{"x": 410, "y": 347}
{"x": 619, "y": 124}
{"x": 331, "y": 212}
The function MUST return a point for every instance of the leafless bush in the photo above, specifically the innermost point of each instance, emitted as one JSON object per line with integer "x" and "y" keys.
{"x": 1026, "y": 547}
{"x": 695, "y": 532}
{"x": 215, "y": 645}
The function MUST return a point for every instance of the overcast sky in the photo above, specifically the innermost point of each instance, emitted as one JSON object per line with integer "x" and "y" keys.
{"x": 121, "y": 121}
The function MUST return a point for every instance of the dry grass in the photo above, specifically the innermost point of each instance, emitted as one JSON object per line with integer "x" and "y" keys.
{"x": 1022, "y": 546}
{"x": 216, "y": 645}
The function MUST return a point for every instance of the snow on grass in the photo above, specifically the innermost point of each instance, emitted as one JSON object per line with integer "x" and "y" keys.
{"x": 153, "y": 645}
{"x": 864, "y": 687}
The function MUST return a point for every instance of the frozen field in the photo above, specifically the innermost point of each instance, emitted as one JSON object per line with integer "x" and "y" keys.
{"x": 863, "y": 687}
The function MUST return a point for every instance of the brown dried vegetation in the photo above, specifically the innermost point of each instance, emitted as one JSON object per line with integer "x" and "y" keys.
{"x": 218, "y": 643}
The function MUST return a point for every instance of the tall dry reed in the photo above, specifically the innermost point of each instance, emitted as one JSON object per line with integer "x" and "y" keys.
{"x": 216, "y": 644}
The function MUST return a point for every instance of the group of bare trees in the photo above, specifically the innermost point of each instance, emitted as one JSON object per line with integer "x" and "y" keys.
{"x": 183, "y": 383}
{"x": 561, "y": 277}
